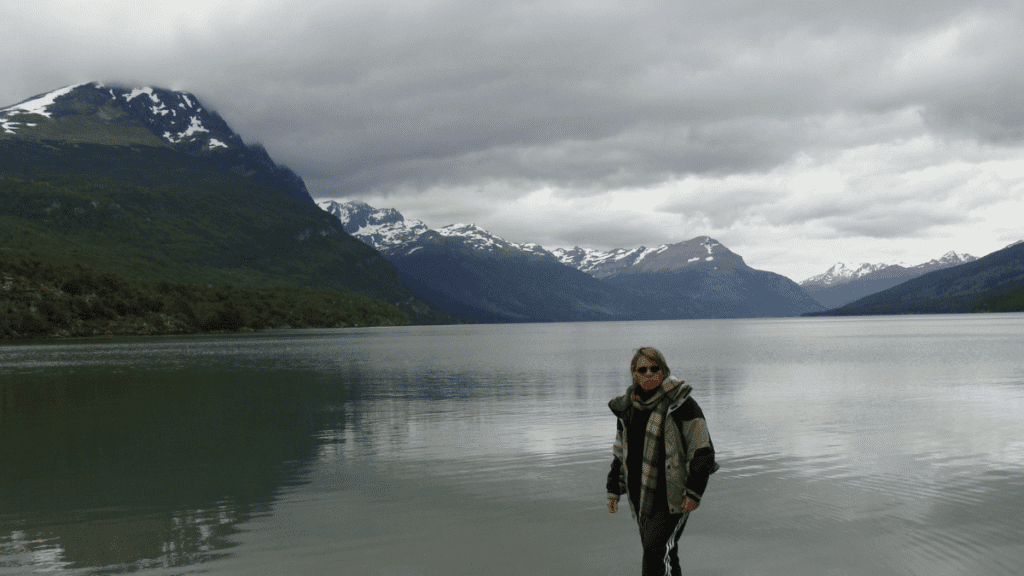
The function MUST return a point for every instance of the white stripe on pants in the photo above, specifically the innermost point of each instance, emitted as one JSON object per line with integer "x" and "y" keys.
{"x": 659, "y": 534}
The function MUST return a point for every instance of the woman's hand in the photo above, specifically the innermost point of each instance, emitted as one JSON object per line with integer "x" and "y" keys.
{"x": 613, "y": 506}
{"x": 689, "y": 506}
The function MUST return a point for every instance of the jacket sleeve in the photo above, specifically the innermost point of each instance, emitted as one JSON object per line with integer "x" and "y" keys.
{"x": 700, "y": 452}
{"x": 616, "y": 476}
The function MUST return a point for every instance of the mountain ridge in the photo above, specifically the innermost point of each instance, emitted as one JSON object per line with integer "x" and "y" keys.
{"x": 699, "y": 278}
{"x": 842, "y": 284}
{"x": 702, "y": 250}
{"x": 842, "y": 272}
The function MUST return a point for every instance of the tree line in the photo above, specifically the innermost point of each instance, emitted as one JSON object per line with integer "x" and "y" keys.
{"x": 47, "y": 299}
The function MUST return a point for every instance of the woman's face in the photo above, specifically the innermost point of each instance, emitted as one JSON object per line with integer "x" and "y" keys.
{"x": 648, "y": 374}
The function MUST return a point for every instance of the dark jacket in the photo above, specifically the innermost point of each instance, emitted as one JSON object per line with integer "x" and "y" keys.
{"x": 686, "y": 465}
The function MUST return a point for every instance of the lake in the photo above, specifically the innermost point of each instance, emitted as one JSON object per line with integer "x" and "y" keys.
{"x": 848, "y": 446}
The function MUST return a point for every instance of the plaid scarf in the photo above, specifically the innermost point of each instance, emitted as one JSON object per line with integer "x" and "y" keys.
{"x": 658, "y": 405}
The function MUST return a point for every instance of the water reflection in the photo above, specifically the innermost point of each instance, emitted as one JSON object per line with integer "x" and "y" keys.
{"x": 141, "y": 468}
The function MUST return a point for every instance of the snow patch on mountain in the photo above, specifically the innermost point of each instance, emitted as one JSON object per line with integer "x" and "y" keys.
{"x": 380, "y": 228}
{"x": 159, "y": 107}
{"x": 589, "y": 260}
{"x": 195, "y": 126}
{"x": 842, "y": 273}
{"x": 176, "y": 117}
{"x": 666, "y": 257}
{"x": 39, "y": 104}
{"x": 653, "y": 252}
{"x": 387, "y": 229}
{"x": 136, "y": 92}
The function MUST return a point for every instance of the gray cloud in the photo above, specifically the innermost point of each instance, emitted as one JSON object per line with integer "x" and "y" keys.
{"x": 372, "y": 97}
{"x": 498, "y": 100}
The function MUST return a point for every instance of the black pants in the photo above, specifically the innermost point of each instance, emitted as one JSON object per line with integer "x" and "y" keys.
{"x": 659, "y": 534}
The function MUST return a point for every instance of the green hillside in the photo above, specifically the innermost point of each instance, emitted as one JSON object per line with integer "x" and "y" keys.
{"x": 148, "y": 214}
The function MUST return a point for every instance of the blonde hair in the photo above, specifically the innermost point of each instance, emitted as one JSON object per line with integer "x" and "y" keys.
{"x": 653, "y": 355}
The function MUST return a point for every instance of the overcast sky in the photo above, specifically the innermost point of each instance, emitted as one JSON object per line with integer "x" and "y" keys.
{"x": 798, "y": 133}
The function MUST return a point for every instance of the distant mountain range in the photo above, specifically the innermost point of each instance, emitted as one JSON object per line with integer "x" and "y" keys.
{"x": 842, "y": 283}
{"x": 605, "y": 264}
{"x": 465, "y": 269}
{"x": 150, "y": 184}
{"x": 990, "y": 283}
{"x": 699, "y": 278}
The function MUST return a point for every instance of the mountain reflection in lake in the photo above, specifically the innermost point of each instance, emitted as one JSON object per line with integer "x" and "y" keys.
{"x": 119, "y": 465}
{"x": 848, "y": 446}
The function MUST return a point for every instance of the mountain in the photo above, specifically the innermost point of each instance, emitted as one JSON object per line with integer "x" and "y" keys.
{"x": 463, "y": 267}
{"x": 842, "y": 284}
{"x": 841, "y": 273}
{"x": 699, "y": 278}
{"x": 381, "y": 228}
{"x": 149, "y": 184}
{"x": 958, "y": 289}
{"x": 664, "y": 258}
{"x": 465, "y": 270}
{"x": 92, "y": 113}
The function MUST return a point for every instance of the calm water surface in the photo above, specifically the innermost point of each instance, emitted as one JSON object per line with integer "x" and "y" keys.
{"x": 871, "y": 446}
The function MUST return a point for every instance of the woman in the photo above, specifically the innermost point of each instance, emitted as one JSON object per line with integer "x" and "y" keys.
{"x": 663, "y": 457}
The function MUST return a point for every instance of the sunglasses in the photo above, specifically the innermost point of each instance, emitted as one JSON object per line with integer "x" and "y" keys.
{"x": 643, "y": 370}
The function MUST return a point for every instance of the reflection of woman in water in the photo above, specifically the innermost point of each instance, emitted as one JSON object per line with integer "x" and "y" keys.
{"x": 663, "y": 457}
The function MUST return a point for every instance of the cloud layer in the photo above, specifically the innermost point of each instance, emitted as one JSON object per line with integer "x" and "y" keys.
{"x": 795, "y": 132}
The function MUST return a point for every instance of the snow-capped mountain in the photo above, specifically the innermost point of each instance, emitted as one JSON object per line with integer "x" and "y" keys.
{"x": 467, "y": 270}
{"x": 94, "y": 114}
{"x": 387, "y": 230}
{"x": 702, "y": 250}
{"x": 698, "y": 278}
{"x": 841, "y": 273}
{"x": 481, "y": 239}
{"x": 380, "y": 228}
{"x": 175, "y": 117}
{"x": 948, "y": 259}
{"x": 594, "y": 262}
{"x": 843, "y": 283}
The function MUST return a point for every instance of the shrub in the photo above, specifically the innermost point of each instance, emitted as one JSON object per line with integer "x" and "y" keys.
{"x": 31, "y": 325}
{"x": 73, "y": 287}
{"x": 181, "y": 309}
